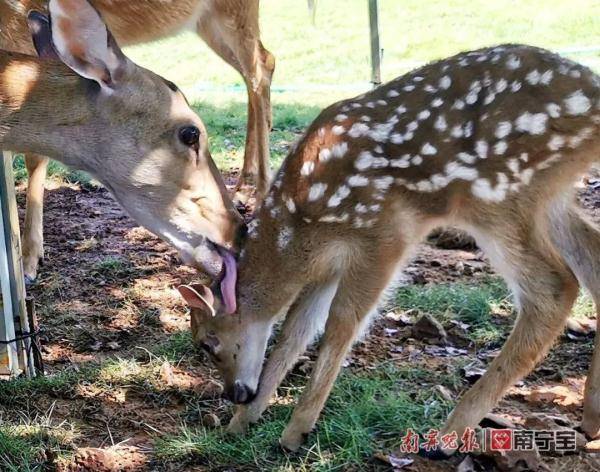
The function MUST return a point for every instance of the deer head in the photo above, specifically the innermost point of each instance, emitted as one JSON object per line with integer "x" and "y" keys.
{"x": 235, "y": 345}
{"x": 130, "y": 128}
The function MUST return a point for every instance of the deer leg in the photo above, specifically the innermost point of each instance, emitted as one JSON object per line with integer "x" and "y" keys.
{"x": 357, "y": 295}
{"x": 578, "y": 240}
{"x": 303, "y": 322}
{"x": 545, "y": 290}
{"x": 33, "y": 234}
{"x": 242, "y": 49}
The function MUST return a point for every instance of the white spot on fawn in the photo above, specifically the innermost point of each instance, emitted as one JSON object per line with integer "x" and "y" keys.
{"x": 440, "y": 123}
{"x": 401, "y": 163}
{"x": 556, "y": 142}
{"x": 455, "y": 171}
{"x": 392, "y": 93}
{"x": 501, "y": 85}
{"x": 482, "y": 189}
{"x": 307, "y": 168}
{"x": 341, "y": 117}
{"x": 481, "y": 148}
{"x": 383, "y": 183}
{"x": 417, "y": 160}
{"x": 503, "y": 129}
{"x": 364, "y": 161}
{"x": 358, "y": 129}
{"x": 290, "y": 204}
{"x": 342, "y": 192}
{"x": 424, "y": 115}
{"x": 339, "y": 150}
{"x": 285, "y": 237}
{"x": 553, "y": 110}
{"x": 513, "y": 62}
{"x": 500, "y": 148}
{"x": 577, "y": 103}
{"x": 324, "y": 155}
{"x": 532, "y": 123}
{"x": 316, "y": 191}
{"x": 466, "y": 157}
{"x": 445, "y": 82}
{"x": 428, "y": 149}
{"x": 546, "y": 77}
{"x": 334, "y": 219}
{"x": 515, "y": 86}
{"x": 533, "y": 77}
{"x": 337, "y": 130}
{"x": 458, "y": 105}
{"x": 357, "y": 181}
{"x": 437, "y": 102}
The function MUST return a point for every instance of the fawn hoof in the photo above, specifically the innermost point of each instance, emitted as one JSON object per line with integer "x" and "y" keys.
{"x": 434, "y": 454}
{"x": 237, "y": 426}
{"x": 29, "y": 280}
{"x": 291, "y": 441}
{"x": 591, "y": 427}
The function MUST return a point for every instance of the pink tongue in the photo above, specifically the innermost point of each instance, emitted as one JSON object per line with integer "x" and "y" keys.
{"x": 228, "y": 282}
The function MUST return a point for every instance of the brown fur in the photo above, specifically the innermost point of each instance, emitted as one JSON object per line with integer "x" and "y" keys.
{"x": 126, "y": 136}
{"x": 229, "y": 27}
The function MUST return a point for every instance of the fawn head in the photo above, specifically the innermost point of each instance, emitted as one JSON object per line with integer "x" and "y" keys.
{"x": 235, "y": 343}
{"x": 140, "y": 138}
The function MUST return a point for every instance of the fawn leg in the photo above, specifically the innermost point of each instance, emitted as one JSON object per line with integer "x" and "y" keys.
{"x": 545, "y": 290}
{"x": 33, "y": 227}
{"x": 578, "y": 240}
{"x": 358, "y": 293}
{"x": 304, "y": 321}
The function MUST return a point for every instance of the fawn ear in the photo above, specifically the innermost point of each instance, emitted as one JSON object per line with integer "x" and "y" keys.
{"x": 198, "y": 296}
{"x": 39, "y": 26}
{"x": 83, "y": 42}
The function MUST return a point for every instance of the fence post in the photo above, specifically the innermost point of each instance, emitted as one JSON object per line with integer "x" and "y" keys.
{"x": 375, "y": 48}
{"x": 14, "y": 358}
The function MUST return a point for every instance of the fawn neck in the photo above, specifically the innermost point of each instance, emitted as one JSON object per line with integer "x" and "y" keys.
{"x": 45, "y": 108}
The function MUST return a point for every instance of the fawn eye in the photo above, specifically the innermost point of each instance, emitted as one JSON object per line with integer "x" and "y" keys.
{"x": 190, "y": 136}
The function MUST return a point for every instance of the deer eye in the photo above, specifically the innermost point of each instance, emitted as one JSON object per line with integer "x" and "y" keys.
{"x": 190, "y": 136}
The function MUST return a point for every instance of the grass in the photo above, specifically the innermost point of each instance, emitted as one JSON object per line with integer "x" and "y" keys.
{"x": 473, "y": 304}
{"x": 365, "y": 413}
{"x": 483, "y": 306}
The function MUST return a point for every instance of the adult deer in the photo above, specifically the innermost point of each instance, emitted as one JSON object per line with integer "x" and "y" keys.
{"x": 229, "y": 27}
{"x": 490, "y": 141}
{"x": 89, "y": 106}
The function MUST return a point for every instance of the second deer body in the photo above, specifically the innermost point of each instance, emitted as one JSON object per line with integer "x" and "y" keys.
{"x": 490, "y": 141}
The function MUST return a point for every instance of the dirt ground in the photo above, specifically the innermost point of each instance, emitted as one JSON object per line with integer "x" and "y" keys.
{"x": 106, "y": 289}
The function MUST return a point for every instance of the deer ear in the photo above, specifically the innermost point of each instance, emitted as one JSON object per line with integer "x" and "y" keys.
{"x": 39, "y": 26}
{"x": 199, "y": 297}
{"x": 83, "y": 42}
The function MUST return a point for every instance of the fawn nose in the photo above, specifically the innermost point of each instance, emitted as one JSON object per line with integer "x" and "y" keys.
{"x": 240, "y": 394}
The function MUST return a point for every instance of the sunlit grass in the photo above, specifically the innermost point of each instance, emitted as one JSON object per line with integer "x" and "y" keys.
{"x": 366, "y": 412}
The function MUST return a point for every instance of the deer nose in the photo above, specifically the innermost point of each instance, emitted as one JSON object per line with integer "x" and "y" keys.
{"x": 240, "y": 394}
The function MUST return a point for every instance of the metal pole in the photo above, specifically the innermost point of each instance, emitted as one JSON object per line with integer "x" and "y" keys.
{"x": 13, "y": 282}
{"x": 375, "y": 48}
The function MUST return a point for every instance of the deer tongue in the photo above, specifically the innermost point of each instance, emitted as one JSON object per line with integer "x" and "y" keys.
{"x": 228, "y": 282}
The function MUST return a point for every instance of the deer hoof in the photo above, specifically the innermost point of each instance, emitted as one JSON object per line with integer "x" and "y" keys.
{"x": 291, "y": 441}
{"x": 237, "y": 426}
{"x": 29, "y": 280}
{"x": 434, "y": 455}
